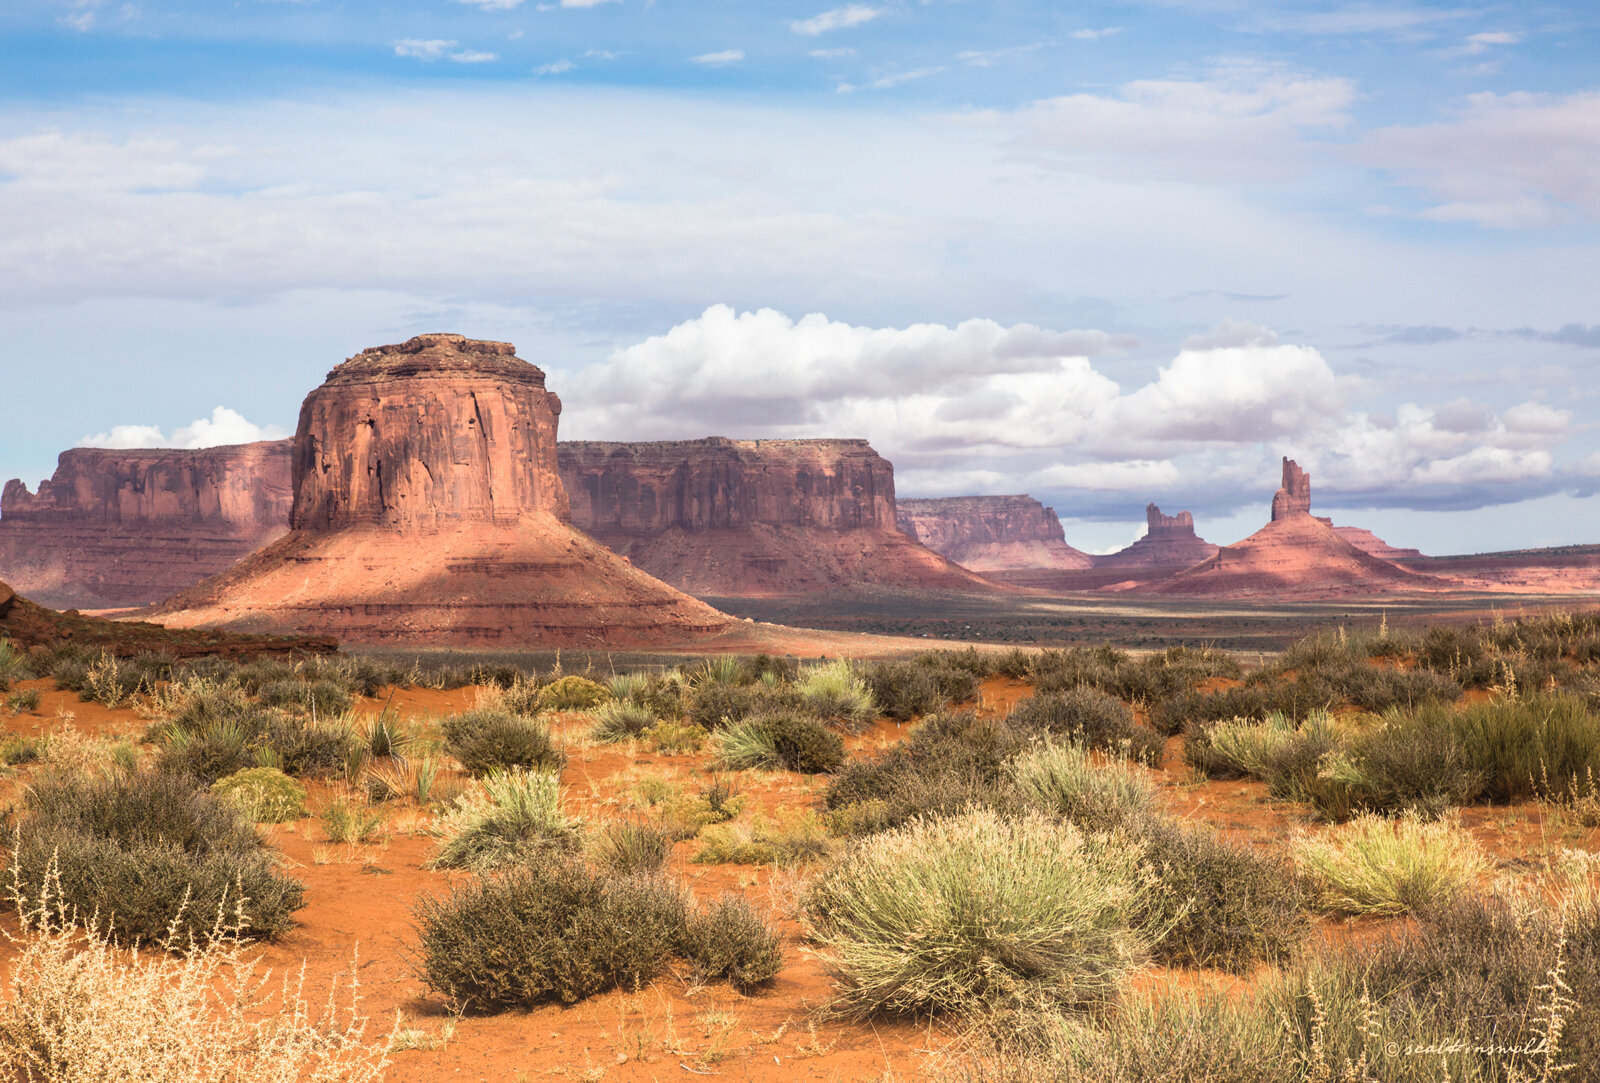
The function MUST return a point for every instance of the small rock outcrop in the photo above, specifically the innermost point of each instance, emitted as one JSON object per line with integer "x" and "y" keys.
{"x": 1169, "y": 542}
{"x": 751, "y": 518}
{"x": 990, "y": 533}
{"x": 116, "y": 528}
{"x": 428, "y": 510}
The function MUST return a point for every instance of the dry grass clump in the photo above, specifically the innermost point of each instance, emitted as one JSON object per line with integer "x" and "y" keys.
{"x": 1089, "y": 717}
{"x": 790, "y": 840}
{"x": 729, "y": 942}
{"x": 82, "y": 1011}
{"x": 572, "y": 693}
{"x": 784, "y": 740}
{"x": 1374, "y": 865}
{"x": 836, "y": 695}
{"x": 264, "y": 794}
{"x": 1063, "y": 780}
{"x": 621, "y": 720}
{"x": 978, "y": 914}
{"x": 506, "y": 819}
{"x": 489, "y": 739}
{"x": 630, "y": 846}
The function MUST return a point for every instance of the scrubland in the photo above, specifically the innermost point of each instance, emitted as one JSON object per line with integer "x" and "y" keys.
{"x": 1369, "y": 857}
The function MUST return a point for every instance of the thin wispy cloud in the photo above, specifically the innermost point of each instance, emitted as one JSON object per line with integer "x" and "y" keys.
{"x": 836, "y": 19}
{"x": 431, "y": 49}
{"x": 1095, "y": 35}
{"x": 474, "y": 56}
{"x": 717, "y": 60}
{"x": 989, "y": 57}
{"x": 832, "y": 54}
{"x": 892, "y": 80}
{"x": 1478, "y": 44}
{"x": 586, "y": 3}
{"x": 493, "y": 5}
{"x": 555, "y": 67}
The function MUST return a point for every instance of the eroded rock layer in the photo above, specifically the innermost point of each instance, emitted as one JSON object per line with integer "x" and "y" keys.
{"x": 428, "y": 510}
{"x": 131, "y": 527}
{"x": 990, "y": 533}
{"x": 1169, "y": 542}
{"x": 733, "y": 518}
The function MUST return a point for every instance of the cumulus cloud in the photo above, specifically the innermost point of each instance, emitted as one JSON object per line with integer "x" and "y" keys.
{"x": 224, "y": 426}
{"x": 981, "y": 406}
{"x": 835, "y": 19}
{"x": 1245, "y": 121}
{"x": 1503, "y": 161}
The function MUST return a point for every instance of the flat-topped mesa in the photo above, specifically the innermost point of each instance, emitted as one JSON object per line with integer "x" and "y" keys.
{"x": 722, "y": 484}
{"x": 115, "y": 528}
{"x": 990, "y": 533}
{"x": 1294, "y": 498}
{"x": 752, "y": 518}
{"x": 439, "y": 429}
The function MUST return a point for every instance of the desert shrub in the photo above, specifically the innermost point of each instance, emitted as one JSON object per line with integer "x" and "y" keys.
{"x": 1238, "y": 748}
{"x": 713, "y": 704}
{"x": 145, "y": 852}
{"x": 683, "y": 815}
{"x": 625, "y": 686}
{"x": 347, "y": 821}
{"x": 572, "y": 693}
{"x": 384, "y": 738}
{"x": 1088, "y": 717}
{"x": 13, "y": 665}
{"x": 512, "y": 816}
{"x": 16, "y": 750}
{"x": 221, "y": 748}
{"x": 1514, "y": 742}
{"x": 486, "y": 740}
{"x": 26, "y": 700}
{"x": 978, "y": 913}
{"x": 790, "y": 841}
{"x": 1218, "y": 903}
{"x": 1062, "y": 780}
{"x": 551, "y": 931}
{"x": 1373, "y": 865}
{"x": 1459, "y": 653}
{"x": 904, "y": 690}
{"x": 836, "y": 695}
{"x": 729, "y": 942}
{"x": 621, "y": 720}
{"x": 771, "y": 741}
{"x": 264, "y": 794}
{"x": 630, "y": 846}
{"x": 949, "y": 763}
{"x": 1418, "y": 763}
{"x": 1379, "y": 688}
{"x": 80, "y": 1010}
{"x": 675, "y": 738}
{"x": 320, "y": 697}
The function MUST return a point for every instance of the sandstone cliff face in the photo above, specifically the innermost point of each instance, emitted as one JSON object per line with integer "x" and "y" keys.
{"x": 990, "y": 533}
{"x": 1294, "y": 498}
{"x": 436, "y": 430}
{"x": 1169, "y": 542}
{"x": 742, "y": 518}
{"x": 1368, "y": 542}
{"x": 428, "y": 510}
{"x": 125, "y": 528}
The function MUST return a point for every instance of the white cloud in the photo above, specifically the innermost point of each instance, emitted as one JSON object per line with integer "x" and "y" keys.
{"x": 1095, "y": 35}
{"x": 473, "y": 56}
{"x": 1477, "y": 44}
{"x": 836, "y": 19}
{"x": 424, "y": 48}
{"x": 586, "y": 3}
{"x": 892, "y": 80}
{"x": 986, "y": 407}
{"x": 224, "y": 426}
{"x": 1504, "y": 161}
{"x": 987, "y": 58}
{"x": 1246, "y": 121}
{"x": 716, "y": 60}
{"x": 557, "y": 67}
{"x": 832, "y": 54}
{"x": 493, "y": 5}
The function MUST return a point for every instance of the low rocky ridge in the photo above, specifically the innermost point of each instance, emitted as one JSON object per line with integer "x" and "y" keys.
{"x": 428, "y": 509}
{"x": 752, "y": 518}
{"x": 116, "y": 528}
{"x": 990, "y": 533}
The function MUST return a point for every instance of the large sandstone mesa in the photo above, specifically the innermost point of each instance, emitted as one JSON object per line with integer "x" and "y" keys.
{"x": 991, "y": 533}
{"x": 428, "y": 510}
{"x": 1169, "y": 542}
{"x": 752, "y": 518}
{"x": 131, "y": 527}
{"x": 1296, "y": 555}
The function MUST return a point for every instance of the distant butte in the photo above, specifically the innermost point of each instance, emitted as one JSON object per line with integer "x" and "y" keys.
{"x": 128, "y": 528}
{"x": 752, "y": 518}
{"x": 1169, "y": 542}
{"x": 1295, "y": 555}
{"x": 428, "y": 509}
{"x": 990, "y": 533}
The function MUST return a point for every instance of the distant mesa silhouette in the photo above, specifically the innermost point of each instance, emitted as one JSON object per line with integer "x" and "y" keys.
{"x": 991, "y": 533}
{"x": 1169, "y": 541}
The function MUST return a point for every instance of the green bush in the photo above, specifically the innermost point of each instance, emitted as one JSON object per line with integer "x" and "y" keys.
{"x": 552, "y": 931}
{"x": 1373, "y": 865}
{"x": 264, "y": 794}
{"x": 979, "y": 913}
{"x": 729, "y": 942}
{"x": 142, "y": 852}
{"x": 621, "y": 720}
{"x": 713, "y": 704}
{"x": 836, "y": 695}
{"x": 572, "y": 693}
{"x": 1523, "y": 744}
{"x": 510, "y": 818}
{"x": 907, "y": 690}
{"x": 494, "y": 739}
{"x": 1088, "y": 717}
{"x": 773, "y": 741}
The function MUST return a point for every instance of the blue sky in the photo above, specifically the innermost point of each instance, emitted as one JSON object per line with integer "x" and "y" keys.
{"x": 1104, "y": 253}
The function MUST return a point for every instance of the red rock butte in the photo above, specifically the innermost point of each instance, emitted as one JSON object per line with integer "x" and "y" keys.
{"x": 1296, "y": 555}
{"x": 1169, "y": 542}
{"x": 114, "y": 528}
{"x": 428, "y": 509}
{"x": 991, "y": 533}
{"x": 752, "y": 518}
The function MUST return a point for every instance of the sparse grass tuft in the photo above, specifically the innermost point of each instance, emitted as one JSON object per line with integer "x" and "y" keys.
{"x": 621, "y": 720}
{"x": 630, "y": 846}
{"x": 511, "y": 817}
{"x": 836, "y": 695}
{"x": 1373, "y": 865}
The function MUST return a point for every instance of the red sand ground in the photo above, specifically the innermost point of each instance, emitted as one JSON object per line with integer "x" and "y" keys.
{"x": 359, "y": 900}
